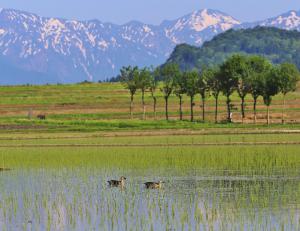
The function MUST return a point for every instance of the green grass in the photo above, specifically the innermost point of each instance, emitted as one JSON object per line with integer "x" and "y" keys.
{"x": 256, "y": 158}
{"x": 93, "y": 125}
{"x": 261, "y": 158}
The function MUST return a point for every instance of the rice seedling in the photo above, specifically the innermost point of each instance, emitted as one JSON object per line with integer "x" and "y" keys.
{"x": 226, "y": 187}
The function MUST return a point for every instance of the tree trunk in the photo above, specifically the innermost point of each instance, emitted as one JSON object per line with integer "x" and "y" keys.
{"x": 283, "y": 109}
{"x": 228, "y": 109}
{"x": 131, "y": 106}
{"x": 192, "y": 108}
{"x": 203, "y": 107}
{"x": 243, "y": 108}
{"x": 268, "y": 114}
{"x": 167, "y": 114}
{"x": 180, "y": 107}
{"x": 154, "y": 107}
{"x": 216, "y": 109}
{"x": 144, "y": 106}
{"x": 254, "y": 109}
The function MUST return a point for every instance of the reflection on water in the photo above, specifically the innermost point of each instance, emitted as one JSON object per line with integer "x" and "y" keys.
{"x": 198, "y": 200}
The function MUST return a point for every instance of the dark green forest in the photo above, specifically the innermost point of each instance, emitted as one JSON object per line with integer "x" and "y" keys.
{"x": 277, "y": 45}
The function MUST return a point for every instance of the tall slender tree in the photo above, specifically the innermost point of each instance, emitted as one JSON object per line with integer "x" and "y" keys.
{"x": 168, "y": 74}
{"x": 229, "y": 80}
{"x": 129, "y": 77}
{"x": 191, "y": 79}
{"x": 288, "y": 77}
{"x": 270, "y": 88}
{"x": 259, "y": 67}
{"x": 215, "y": 86}
{"x": 179, "y": 90}
{"x": 203, "y": 87}
{"x": 243, "y": 85}
{"x": 153, "y": 87}
{"x": 144, "y": 78}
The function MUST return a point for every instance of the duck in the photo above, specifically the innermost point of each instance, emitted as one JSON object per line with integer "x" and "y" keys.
{"x": 117, "y": 183}
{"x": 154, "y": 185}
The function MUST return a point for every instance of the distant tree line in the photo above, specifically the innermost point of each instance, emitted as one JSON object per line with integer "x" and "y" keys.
{"x": 277, "y": 45}
{"x": 247, "y": 75}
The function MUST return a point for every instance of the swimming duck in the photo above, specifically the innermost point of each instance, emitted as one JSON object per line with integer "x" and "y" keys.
{"x": 117, "y": 183}
{"x": 154, "y": 185}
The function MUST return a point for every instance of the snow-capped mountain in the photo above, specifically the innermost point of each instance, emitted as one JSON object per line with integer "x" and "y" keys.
{"x": 198, "y": 27}
{"x": 287, "y": 21}
{"x": 72, "y": 51}
{"x": 36, "y": 49}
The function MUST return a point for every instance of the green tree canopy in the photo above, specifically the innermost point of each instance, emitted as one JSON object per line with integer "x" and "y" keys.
{"x": 191, "y": 79}
{"x": 130, "y": 79}
{"x": 229, "y": 78}
{"x": 288, "y": 77}
{"x": 168, "y": 73}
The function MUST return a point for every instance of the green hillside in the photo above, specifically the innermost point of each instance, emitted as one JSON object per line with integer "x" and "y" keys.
{"x": 276, "y": 44}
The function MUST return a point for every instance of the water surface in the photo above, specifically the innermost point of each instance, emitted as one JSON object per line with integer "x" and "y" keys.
{"x": 204, "y": 190}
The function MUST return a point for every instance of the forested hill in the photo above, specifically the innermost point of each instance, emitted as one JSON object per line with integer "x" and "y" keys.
{"x": 276, "y": 44}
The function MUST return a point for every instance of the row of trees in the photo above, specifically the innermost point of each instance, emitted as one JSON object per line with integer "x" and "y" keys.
{"x": 253, "y": 75}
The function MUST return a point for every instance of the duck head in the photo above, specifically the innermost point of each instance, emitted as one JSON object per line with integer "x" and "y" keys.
{"x": 122, "y": 178}
{"x": 161, "y": 182}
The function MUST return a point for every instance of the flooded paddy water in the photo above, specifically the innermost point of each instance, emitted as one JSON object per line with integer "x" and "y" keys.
{"x": 205, "y": 188}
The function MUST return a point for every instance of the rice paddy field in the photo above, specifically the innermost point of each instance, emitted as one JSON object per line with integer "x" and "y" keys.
{"x": 212, "y": 182}
{"x": 54, "y": 172}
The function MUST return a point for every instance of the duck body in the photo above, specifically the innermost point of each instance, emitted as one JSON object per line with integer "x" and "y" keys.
{"x": 153, "y": 185}
{"x": 117, "y": 183}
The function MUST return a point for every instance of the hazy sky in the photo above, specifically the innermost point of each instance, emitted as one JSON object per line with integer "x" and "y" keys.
{"x": 150, "y": 11}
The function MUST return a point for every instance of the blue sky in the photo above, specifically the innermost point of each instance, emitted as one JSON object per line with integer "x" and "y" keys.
{"x": 150, "y": 11}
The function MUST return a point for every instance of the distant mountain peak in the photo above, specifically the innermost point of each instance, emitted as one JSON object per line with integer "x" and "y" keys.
{"x": 199, "y": 26}
{"x": 205, "y": 18}
{"x": 292, "y": 13}
{"x": 289, "y": 21}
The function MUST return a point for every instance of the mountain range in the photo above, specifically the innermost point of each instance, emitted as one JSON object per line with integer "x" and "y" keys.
{"x": 39, "y": 50}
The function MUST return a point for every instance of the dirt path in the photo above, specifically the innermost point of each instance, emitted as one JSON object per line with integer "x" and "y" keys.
{"x": 148, "y": 145}
{"x": 178, "y": 132}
